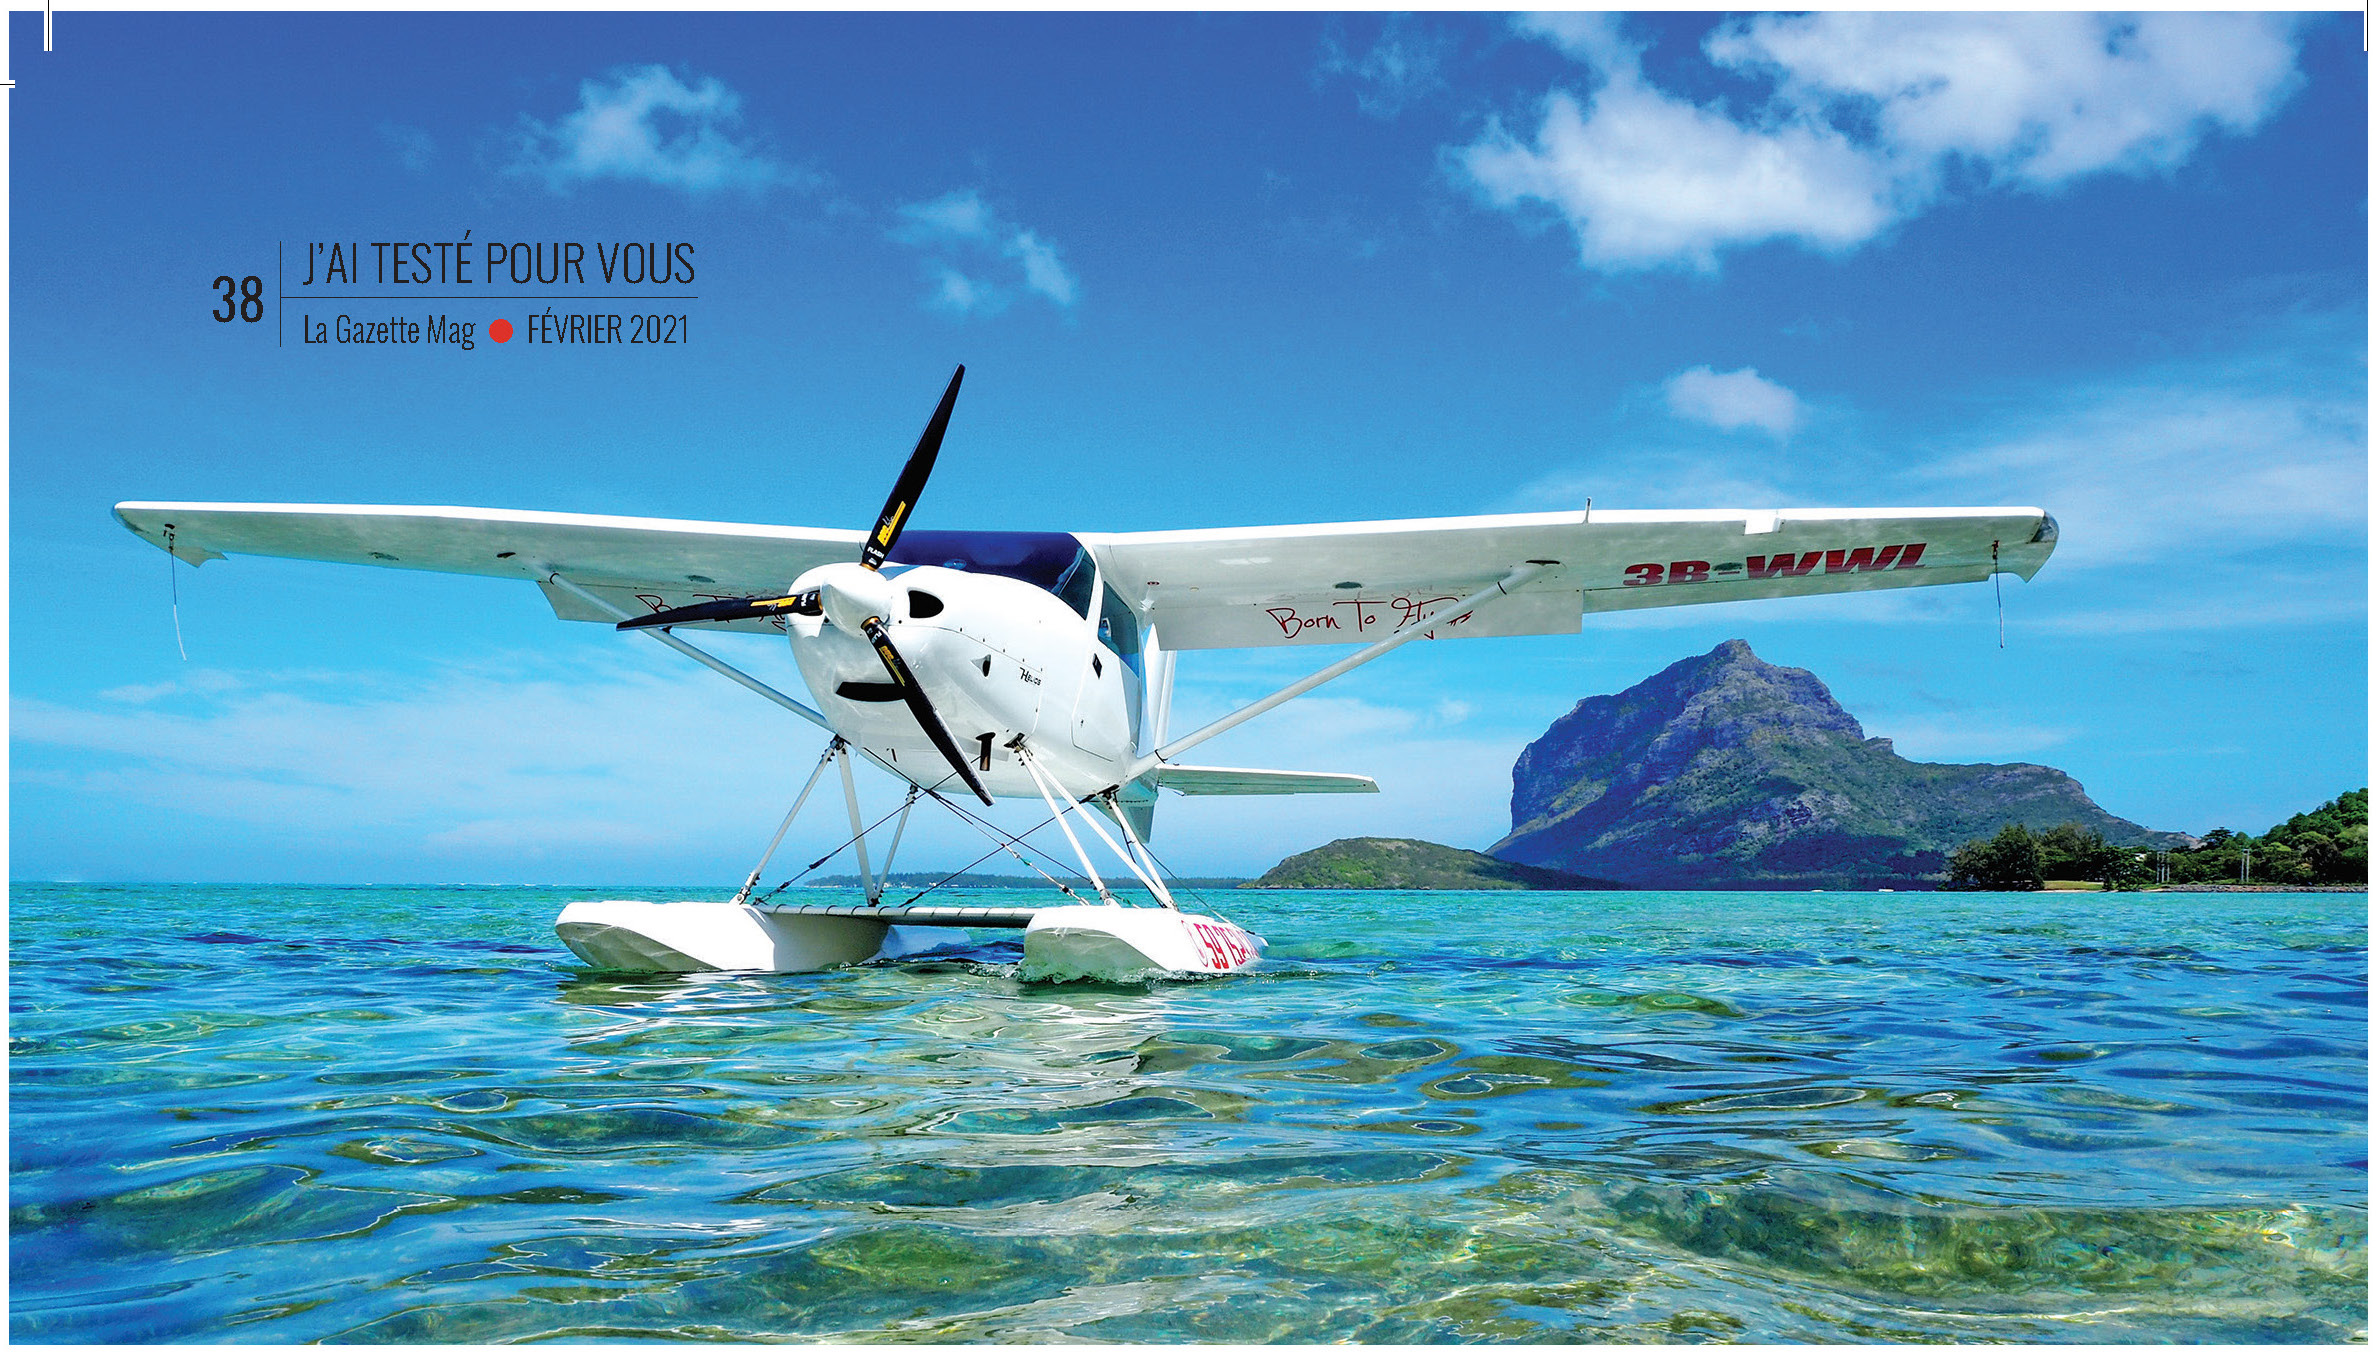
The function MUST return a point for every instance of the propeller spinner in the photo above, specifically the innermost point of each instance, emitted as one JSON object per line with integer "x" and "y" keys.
{"x": 896, "y": 510}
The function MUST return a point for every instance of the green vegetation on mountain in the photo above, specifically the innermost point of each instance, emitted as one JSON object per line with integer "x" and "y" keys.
{"x": 1723, "y": 771}
{"x": 2016, "y": 860}
{"x": 2328, "y": 845}
{"x": 1385, "y": 862}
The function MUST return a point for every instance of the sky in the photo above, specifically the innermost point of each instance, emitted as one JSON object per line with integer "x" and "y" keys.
{"x": 1203, "y": 270}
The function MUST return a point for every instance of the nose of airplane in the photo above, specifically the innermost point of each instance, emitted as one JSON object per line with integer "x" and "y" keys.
{"x": 850, "y": 594}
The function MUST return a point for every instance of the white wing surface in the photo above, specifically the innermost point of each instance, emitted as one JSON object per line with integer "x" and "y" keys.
{"x": 639, "y": 564}
{"x": 1201, "y": 588}
{"x": 1359, "y": 582}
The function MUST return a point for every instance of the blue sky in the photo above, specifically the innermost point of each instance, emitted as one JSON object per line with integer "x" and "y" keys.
{"x": 1203, "y": 270}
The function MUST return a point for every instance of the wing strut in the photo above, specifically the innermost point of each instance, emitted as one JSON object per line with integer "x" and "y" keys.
{"x": 1518, "y": 577}
{"x": 743, "y": 678}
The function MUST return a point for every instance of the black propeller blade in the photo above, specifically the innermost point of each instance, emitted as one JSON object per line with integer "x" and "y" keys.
{"x": 717, "y": 611}
{"x": 878, "y": 548}
{"x": 911, "y": 484}
{"x": 918, "y": 705}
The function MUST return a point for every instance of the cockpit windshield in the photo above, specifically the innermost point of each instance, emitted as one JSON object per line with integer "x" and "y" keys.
{"x": 1055, "y": 563}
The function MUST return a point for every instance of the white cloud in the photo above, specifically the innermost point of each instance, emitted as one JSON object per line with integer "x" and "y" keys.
{"x": 414, "y": 148}
{"x": 2190, "y": 494}
{"x": 590, "y": 755}
{"x": 1594, "y": 37}
{"x": 198, "y": 680}
{"x": 1434, "y": 782}
{"x": 1868, "y": 119}
{"x": 1646, "y": 179}
{"x": 959, "y": 215}
{"x": 1730, "y": 401}
{"x": 592, "y": 761}
{"x": 2168, "y": 470}
{"x": 595, "y": 761}
{"x": 645, "y": 124}
{"x": 1654, "y": 479}
{"x": 2035, "y": 98}
{"x": 962, "y": 295}
{"x": 2218, "y": 609}
{"x": 1043, "y": 273}
{"x": 1958, "y": 740}
{"x": 1404, "y": 66}
{"x": 960, "y": 223}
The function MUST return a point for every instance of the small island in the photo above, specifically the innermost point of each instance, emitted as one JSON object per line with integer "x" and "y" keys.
{"x": 1371, "y": 862}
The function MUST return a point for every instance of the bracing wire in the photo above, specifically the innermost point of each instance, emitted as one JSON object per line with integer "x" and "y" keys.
{"x": 761, "y": 900}
{"x": 1998, "y": 582}
{"x": 1175, "y": 877}
{"x": 173, "y": 575}
{"x": 1003, "y": 843}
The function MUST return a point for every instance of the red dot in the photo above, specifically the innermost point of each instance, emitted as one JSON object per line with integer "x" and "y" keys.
{"x": 499, "y": 330}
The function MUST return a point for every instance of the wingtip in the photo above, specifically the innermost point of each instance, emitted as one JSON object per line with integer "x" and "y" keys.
{"x": 197, "y": 555}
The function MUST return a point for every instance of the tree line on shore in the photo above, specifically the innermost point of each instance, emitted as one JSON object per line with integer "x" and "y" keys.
{"x": 2328, "y": 845}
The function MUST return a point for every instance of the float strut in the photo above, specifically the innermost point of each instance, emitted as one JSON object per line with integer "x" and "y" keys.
{"x": 1032, "y": 769}
{"x": 1147, "y": 873}
{"x": 786, "y": 825}
{"x": 858, "y": 825}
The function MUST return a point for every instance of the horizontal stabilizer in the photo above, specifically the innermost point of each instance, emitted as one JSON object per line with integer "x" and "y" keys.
{"x": 1226, "y": 780}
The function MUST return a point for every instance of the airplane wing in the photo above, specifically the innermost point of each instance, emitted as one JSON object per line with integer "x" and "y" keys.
{"x": 1359, "y": 582}
{"x": 1203, "y": 588}
{"x": 641, "y": 565}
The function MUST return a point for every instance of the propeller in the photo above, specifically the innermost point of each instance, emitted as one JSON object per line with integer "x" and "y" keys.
{"x": 896, "y": 510}
{"x": 911, "y": 484}
{"x": 921, "y": 707}
{"x": 719, "y": 611}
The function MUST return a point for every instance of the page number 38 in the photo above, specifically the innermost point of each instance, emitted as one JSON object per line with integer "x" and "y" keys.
{"x": 246, "y": 304}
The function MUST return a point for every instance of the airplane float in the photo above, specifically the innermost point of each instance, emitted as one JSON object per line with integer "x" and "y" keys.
{"x": 978, "y": 665}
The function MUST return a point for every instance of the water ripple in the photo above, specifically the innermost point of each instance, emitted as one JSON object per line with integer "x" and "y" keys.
{"x": 290, "y": 1115}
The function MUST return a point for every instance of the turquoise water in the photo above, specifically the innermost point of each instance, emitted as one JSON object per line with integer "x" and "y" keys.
{"x": 405, "y": 1114}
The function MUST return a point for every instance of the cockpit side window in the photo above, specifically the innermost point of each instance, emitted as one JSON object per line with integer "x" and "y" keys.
{"x": 1118, "y": 628}
{"x": 1077, "y": 584}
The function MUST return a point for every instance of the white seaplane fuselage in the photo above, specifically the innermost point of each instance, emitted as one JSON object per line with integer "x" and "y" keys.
{"x": 1001, "y": 659}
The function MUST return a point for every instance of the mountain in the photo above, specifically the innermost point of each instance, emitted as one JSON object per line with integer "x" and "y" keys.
{"x": 1383, "y": 862}
{"x": 1725, "y": 772}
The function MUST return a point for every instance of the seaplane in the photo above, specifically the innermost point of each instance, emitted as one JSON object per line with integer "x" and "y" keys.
{"x": 978, "y": 665}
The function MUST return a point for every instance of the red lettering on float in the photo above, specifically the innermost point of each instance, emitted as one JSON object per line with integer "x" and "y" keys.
{"x": 1210, "y": 941}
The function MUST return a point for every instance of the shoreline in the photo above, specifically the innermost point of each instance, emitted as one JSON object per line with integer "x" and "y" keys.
{"x": 2255, "y": 888}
